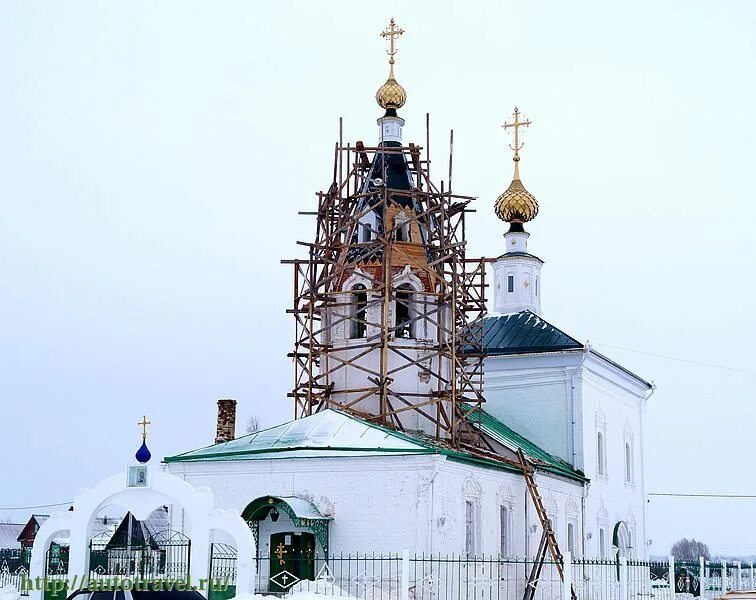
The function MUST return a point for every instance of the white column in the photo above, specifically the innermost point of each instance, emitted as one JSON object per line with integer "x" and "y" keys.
{"x": 567, "y": 576}
{"x": 724, "y": 576}
{"x": 404, "y": 590}
{"x": 199, "y": 557}
{"x": 623, "y": 578}
{"x": 740, "y": 575}
{"x": 671, "y": 577}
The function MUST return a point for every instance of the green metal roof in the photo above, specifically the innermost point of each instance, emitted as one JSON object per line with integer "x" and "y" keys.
{"x": 326, "y": 433}
{"x": 505, "y": 436}
{"x": 524, "y": 332}
{"x": 332, "y": 433}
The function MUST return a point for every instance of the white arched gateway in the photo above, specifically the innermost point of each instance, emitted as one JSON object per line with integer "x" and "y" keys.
{"x": 140, "y": 491}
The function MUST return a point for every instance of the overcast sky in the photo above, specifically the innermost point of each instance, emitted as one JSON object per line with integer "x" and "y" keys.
{"x": 153, "y": 157}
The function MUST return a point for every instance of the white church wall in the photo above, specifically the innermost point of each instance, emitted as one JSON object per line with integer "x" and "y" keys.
{"x": 389, "y": 503}
{"x": 517, "y": 283}
{"x": 536, "y": 395}
{"x": 364, "y": 364}
{"x": 533, "y": 395}
{"x": 406, "y": 379}
{"x": 377, "y": 503}
{"x": 563, "y": 500}
{"x": 491, "y": 490}
{"x": 613, "y": 405}
{"x": 488, "y": 490}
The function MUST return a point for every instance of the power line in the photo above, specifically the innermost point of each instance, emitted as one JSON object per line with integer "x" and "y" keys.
{"x": 37, "y": 506}
{"x": 680, "y": 495}
{"x": 685, "y": 360}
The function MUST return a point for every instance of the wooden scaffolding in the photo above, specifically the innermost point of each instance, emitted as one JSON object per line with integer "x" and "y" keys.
{"x": 454, "y": 304}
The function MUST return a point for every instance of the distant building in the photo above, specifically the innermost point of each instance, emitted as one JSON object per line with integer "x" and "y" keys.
{"x": 9, "y": 534}
{"x": 30, "y": 529}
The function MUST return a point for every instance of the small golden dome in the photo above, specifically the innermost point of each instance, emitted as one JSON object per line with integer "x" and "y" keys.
{"x": 391, "y": 94}
{"x": 516, "y": 204}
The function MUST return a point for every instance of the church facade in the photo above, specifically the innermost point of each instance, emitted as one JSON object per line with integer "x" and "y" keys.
{"x": 415, "y": 397}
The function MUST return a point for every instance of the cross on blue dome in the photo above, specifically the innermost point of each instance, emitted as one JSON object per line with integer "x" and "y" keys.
{"x": 143, "y": 455}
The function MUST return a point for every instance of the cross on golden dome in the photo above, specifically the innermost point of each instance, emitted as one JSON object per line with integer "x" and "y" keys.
{"x": 391, "y": 32}
{"x": 516, "y": 205}
{"x": 391, "y": 95}
{"x": 144, "y": 422}
{"x": 516, "y": 124}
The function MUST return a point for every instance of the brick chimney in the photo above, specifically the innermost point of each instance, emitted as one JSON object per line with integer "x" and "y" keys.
{"x": 226, "y": 427}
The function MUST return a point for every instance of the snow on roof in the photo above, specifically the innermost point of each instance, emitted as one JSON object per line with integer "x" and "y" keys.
{"x": 304, "y": 509}
{"x": 9, "y": 533}
{"x": 524, "y": 332}
{"x": 325, "y": 431}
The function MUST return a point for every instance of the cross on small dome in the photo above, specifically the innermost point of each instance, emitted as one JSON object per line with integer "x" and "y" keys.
{"x": 391, "y": 95}
{"x": 516, "y": 205}
{"x": 143, "y": 455}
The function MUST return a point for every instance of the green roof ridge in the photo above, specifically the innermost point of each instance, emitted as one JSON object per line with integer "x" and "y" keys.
{"x": 422, "y": 447}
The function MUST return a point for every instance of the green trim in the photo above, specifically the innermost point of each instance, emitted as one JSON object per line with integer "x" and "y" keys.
{"x": 191, "y": 455}
{"x": 490, "y": 426}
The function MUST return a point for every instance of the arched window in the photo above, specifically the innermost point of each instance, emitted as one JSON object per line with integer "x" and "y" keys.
{"x": 504, "y": 531}
{"x": 404, "y": 325}
{"x": 401, "y": 228}
{"x": 628, "y": 463}
{"x": 358, "y": 310}
{"x": 571, "y": 537}
{"x": 510, "y": 284}
{"x": 602, "y": 543}
{"x": 600, "y": 454}
{"x": 469, "y": 527}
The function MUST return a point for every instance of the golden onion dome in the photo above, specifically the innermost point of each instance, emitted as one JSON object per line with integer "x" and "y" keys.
{"x": 516, "y": 204}
{"x": 391, "y": 94}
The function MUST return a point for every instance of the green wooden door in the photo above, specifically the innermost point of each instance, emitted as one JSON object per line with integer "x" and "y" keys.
{"x": 292, "y": 558}
{"x": 306, "y": 556}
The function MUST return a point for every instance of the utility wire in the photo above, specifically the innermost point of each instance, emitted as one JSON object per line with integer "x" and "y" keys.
{"x": 37, "y": 506}
{"x": 680, "y": 495}
{"x": 685, "y": 360}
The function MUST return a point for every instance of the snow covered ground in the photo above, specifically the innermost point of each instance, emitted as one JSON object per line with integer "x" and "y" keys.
{"x": 9, "y": 592}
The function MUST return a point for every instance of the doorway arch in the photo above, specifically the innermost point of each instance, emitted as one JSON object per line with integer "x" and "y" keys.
{"x": 621, "y": 539}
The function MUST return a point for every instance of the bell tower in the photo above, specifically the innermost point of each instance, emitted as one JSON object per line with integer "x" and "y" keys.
{"x": 517, "y": 273}
{"x": 387, "y": 306}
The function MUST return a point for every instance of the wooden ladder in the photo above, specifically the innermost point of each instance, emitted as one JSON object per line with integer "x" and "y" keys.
{"x": 548, "y": 539}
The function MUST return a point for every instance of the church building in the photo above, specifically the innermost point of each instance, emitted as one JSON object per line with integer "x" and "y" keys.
{"x": 416, "y": 397}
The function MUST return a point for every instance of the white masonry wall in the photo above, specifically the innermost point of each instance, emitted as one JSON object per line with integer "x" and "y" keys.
{"x": 561, "y": 401}
{"x": 490, "y": 490}
{"x": 613, "y": 403}
{"x": 389, "y": 503}
{"x": 533, "y": 395}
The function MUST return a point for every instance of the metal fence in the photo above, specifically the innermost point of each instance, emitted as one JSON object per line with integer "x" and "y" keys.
{"x": 164, "y": 555}
{"x": 14, "y": 578}
{"x": 441, "y": 577}
{"x": 404, "y": 576}
{"x": 459, "y": 577}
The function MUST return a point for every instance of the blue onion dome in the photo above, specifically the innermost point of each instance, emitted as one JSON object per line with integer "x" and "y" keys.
{"x": 143, "y": 455}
